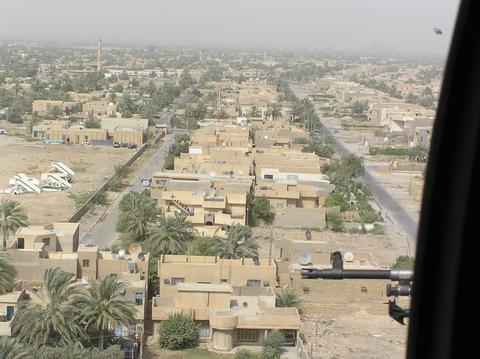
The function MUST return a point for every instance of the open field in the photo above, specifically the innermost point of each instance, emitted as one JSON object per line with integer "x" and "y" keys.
{"x": 92, "y": 165}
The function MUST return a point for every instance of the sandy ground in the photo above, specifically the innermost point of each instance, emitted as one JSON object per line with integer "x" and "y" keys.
{"x": 92, "y": 165}
{"x": 356, "y": 335}
{"x": 361, "y": 329}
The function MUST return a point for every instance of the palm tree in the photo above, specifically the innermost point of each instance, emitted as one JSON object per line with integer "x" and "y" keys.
{"x": 49, "y": 317}
{"x": 237, "y": 243}
{"x": 287, "y": 298}
{"x": 7, "y": 272}
{"x": 102, "y": 307}
{"x": 274, "y": 111}
{"x": 12, "y": 217}
{"x": 11, "y": 349}
{"x": 254, "y": 112}
{"x": 138, "y": 210}
{"x": 170, "y": 235}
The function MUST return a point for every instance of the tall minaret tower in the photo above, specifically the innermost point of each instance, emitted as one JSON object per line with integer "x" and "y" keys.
{"x": 99, "y": 56}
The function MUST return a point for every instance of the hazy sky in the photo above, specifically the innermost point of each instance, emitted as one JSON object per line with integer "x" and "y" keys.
{"x": 399, "y": 25}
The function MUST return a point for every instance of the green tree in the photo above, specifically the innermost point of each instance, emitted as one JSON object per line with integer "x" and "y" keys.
{"x": 254, "y": 111}
{"x": 12, "y": 217}
{"x": 49, "y": 318}
{"x": 102, "y": 308}
{"x": 260, "y": 209}
{"x": 359, "y": 108}
{"x": 287, "y": 298}
{"x": 335, "y": 199}
{"x": 170, "y": 235}
{"x": 237, "y": 243}
{"x": 137, "y": 211}
{"x": 335, "y": 222}
{"x": 91, "y": 122}
{"x": 117, "y": 88}
{"x": 178, "y": 332}
{"x": 201, "y": 246}
{"x": 272, "y": 345}
{"x": 7, "y": 272}
{"x": 274, "y": 111}
{"x": 11, "y": 349}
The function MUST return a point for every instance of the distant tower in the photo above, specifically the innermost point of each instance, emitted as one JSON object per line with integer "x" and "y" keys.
{"x": 99, "y": 56}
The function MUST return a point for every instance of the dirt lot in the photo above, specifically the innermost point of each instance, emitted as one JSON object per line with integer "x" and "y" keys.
{"x": 92, "y": 165}
{"x": 357, "y": 335}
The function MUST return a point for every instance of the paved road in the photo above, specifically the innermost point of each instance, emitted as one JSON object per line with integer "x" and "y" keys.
{"x": 389, "y": 206}
{"x": 103, "y": 232}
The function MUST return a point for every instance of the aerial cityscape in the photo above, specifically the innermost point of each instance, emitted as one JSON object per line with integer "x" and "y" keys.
{"x": 206, "y": 202}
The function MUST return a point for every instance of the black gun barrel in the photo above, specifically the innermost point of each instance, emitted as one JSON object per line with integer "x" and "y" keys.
{"x": 394, "y": 274}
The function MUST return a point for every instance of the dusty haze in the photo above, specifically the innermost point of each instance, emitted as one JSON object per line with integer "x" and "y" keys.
{"x": 392, "y": 26}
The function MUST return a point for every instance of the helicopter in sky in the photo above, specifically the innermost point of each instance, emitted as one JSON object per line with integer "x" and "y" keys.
{"x": 438, "y": 31}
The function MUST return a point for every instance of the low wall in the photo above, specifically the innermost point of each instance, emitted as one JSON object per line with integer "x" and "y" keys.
{"x": 80, "y": 212}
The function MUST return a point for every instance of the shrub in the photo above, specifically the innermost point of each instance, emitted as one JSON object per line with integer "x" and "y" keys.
{"x": 260, "y": 210}
{"x": 272, "y": 345}
{"x": 179, "y": 331}
{"x": 245, "y": 354}
{"x": 404, "y": 262}
{"x": 335, "y": 222}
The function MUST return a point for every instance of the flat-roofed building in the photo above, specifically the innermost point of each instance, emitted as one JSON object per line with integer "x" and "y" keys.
{"x": 56, "y": 236}
{"x": 217, "y": 161}
{"x": 211, "y": 203}
{"x": 8, "y": 307}
{"x": 231, "y": 136}
{"x": 44, "y": 107}
{"x": 232, "y": 300}
{"x": 86, "y": 262}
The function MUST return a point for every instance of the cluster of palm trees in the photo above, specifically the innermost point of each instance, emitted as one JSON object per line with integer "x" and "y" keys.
{"x": 274, "y": 111}
{"x": 65, "y": 312}
{"x": 140, "y": 221}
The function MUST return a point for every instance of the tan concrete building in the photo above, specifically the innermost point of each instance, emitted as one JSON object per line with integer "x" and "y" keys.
{"x": 231, "y": 136}
{"x": 217, "y": 161}
{"x": 8, "y": 307}
{"x": 35, "y": 249}
{"x": 323, "y": 296}
{"x": 99, "y": 108}
{"x": 231, "y": 300}
{"x": 56, "y": 237}
{"x": 210, "y": 203}
{"x": 44, "y": 107}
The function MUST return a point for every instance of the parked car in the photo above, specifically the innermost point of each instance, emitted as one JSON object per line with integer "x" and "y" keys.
{"x": 132, "y": 145}
{"x": 3, "y": 131}
{"x": 116, "y": 144}
{"x": 124, "y": 144}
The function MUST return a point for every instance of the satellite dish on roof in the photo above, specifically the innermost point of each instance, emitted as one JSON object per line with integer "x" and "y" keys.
{"x": 134, "y": 249}
{"x": 348, "y": 257}
{"x": 304, "y": 258}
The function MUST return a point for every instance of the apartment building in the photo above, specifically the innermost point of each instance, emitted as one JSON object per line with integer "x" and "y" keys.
{"x": 34, "y": 249}
{"x": 210, "y": 203}
{"x": 289, "y": 162}
{"x": 232, "y": 300}
{"x": 99, "y": 108}
{"x": 225, "y": 136}
{"x": 44, "y": 107}
{"x": 217, "y": 161}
